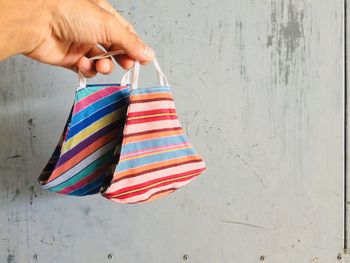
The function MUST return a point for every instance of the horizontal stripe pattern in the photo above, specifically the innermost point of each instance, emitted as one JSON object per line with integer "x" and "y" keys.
{"x": 156, "y": 157}
{"x": 87, "y": 145}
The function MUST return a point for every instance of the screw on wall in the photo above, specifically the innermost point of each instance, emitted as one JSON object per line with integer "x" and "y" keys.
{"x": 185, "y": 257}
{"x": 110, "y": 256}
{"x": 35, "y": 256}
{"x": 339, "y": 256}
{"x": 262, "y": 258}
{"x": 31, "y": 123}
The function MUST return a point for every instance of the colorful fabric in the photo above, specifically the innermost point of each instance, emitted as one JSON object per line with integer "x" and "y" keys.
{"x": 156, "y": 157}
{"x": 87, "y": 147}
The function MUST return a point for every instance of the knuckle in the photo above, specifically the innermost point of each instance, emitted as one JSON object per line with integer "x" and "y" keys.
{"x": 99, "y": 2}
{"x": 130, "y": 28}
{"x": 137, "y": 43}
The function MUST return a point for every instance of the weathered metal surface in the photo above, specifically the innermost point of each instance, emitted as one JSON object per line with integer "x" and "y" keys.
{"x": 259, "y": 89}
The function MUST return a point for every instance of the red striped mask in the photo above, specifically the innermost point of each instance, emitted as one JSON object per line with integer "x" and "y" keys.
{"x": 156, "y": 156}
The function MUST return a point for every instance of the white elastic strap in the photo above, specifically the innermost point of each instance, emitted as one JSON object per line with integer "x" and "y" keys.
{"x": 126, "y": 78}
{"x": 82, "y": 79}
{"x": 136, "y": 70}
{"x": 161, "y": 76}
{"x": 135, "y": 75}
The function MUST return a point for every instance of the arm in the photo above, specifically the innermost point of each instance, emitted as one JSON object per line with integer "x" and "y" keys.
{"x": 65, "y": 33}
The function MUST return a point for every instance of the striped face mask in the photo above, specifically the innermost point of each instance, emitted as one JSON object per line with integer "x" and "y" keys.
{"x": 87, "y": 145}
{"x": 156, "y": 157}
{"x": 124, "y": 142}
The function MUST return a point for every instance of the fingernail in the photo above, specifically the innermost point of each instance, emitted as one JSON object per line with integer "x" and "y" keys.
{"x": 107, "y": 67}
{"x": 149, "y": 52}
{"x": 87, "y": 65}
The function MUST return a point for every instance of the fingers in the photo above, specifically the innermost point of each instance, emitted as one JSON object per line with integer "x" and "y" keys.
{"x": 103, "y": 66}
{"x": 89, "y": 69}
{"x": 119, "y": 36}
{"x": 108, "y": 7}
{"x": 86, "y": 67}
{"x": 124, "y": 61}
{"x": 110, "y": 27}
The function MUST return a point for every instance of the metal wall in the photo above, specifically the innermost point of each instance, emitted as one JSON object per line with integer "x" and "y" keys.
{"x": 259, "y": 90}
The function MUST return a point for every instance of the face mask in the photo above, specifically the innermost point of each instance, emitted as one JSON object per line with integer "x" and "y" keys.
{"x": 92, "y": 133}
{"x": 145, "y": 154}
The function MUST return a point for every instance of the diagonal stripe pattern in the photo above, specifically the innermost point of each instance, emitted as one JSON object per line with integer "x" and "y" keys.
{"x": 87, "y": 147}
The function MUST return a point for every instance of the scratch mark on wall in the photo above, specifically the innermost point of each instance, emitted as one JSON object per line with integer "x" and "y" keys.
{"x": 241, "y": 47}
{"x": 10, "y": 258}
{"x": 33, "y": 194}
{"x": 31, "y": 127}
{"x": 246, "y": 224}
{"x": 13, "y": 156}
{"x": 86, "y": 210}
{"x": 15, "y": 195}
{"x": 254, "y": 172}
{"x": 49, "y": 242}
{"x": 269, "y": 41}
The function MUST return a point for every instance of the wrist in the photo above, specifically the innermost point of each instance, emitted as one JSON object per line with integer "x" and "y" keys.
{"x": 23, "y": 25}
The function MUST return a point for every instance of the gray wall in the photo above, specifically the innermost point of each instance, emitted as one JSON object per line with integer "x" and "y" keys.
{"x": 259, "y": 90}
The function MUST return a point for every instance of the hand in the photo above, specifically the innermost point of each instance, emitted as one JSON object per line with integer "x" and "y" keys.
{"x": 65, "y": 33}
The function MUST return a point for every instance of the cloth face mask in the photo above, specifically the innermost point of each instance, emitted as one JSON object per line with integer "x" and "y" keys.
{"x": 89, "y": 142}
{"x": 156, "y": 156}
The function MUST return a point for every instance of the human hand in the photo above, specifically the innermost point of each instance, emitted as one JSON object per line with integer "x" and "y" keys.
{"x": 65, "y": 33}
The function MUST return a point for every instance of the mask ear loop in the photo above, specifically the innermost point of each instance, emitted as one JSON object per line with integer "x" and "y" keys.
{"x": 126, "y": 78}
{"x": 82, "y": 79}
{"x": 135, "y": 75}
{"x": 161, "y": 76}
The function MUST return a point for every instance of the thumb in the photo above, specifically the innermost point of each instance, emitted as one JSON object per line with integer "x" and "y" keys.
{"x": 122, "y": 38}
